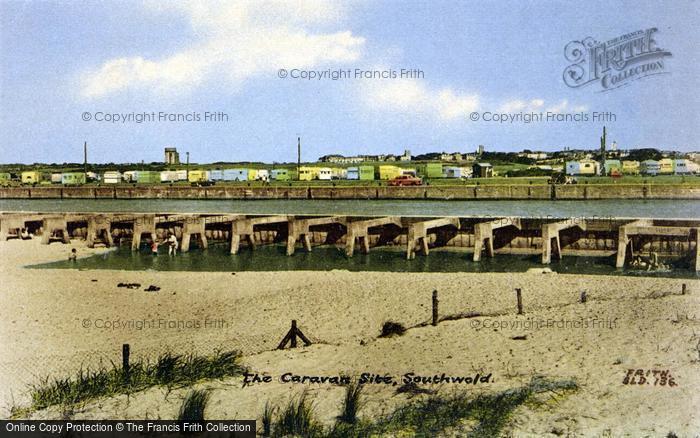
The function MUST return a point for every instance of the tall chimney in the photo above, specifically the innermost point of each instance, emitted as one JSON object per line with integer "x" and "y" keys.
{"x": 298, "y": 154}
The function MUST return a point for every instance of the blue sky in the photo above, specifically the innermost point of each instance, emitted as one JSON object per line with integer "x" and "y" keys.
{"x": 61, "y": 59}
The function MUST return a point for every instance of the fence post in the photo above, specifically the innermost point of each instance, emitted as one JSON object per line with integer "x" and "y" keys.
{"x": 435, "y": 307}
{"x": 293, "y": 331}
{"x": 520, "y": 300}
{"x": 291, "y": 337}
{"x": 126, "y": 351}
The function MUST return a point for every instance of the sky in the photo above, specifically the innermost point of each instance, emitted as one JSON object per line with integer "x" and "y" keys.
{"x": 74, "y": 72}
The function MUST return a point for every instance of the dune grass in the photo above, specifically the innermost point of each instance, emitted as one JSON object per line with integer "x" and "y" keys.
{"x": 267, "y": 418}
{"x": 168, "y": 370}
{"x": 352, "y": 403}
{"x": 435, "y": 415}
{"x": 297, "y": 419}
{"x": 193, "y": 407}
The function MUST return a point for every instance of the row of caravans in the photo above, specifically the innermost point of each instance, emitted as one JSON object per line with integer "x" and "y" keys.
{"x": 383, "y": 172}
{"x": 305, "y": 173}
{"x": 65, "y": 178}
{"x": 666, "y": 166}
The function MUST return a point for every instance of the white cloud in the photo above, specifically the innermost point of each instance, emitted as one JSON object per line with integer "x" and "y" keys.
{"x": 419, "y": 99}
{"x": 413, "y": 96}
{"x": 237, "y": 41}
{"x": 563, "y": 106}
{"x": 538, "y": 105}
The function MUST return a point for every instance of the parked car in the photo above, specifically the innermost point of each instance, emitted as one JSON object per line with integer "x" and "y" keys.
{"x": 406, "y": 180}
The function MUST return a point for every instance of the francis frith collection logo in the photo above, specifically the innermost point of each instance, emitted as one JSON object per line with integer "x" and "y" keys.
{"x": 614, "y": 63}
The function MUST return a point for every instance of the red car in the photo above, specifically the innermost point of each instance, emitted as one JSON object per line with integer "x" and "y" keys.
{"x": 406, "y": 180}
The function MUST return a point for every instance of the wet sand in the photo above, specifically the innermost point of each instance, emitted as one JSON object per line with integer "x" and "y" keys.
{"x": 55, "y": 321}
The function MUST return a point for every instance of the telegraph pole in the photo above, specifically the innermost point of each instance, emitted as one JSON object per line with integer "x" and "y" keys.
{"x": 85, "y": 160}
{"x": 187, "y": 166}
{"x": 298, "y": 155}
{"x": 603, "y": 141}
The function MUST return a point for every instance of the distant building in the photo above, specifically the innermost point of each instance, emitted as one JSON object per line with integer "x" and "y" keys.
{"x": 340, "y": 159}
{"x": 480, "y": 150}
{"x": 172, "y": 156}
{"x": 482, "y": 170}
{"x": 534, "y": 155}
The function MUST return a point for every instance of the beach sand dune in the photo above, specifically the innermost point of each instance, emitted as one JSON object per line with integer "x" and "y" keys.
{"x": 55, "y": 321}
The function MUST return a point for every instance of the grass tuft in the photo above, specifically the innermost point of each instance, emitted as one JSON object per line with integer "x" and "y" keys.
{"x": 391, "y": 328}
{"x": 267, "y": 417}
{"x": 168, "y": 370}
{"x": 352, "y": 403}
{"x": 193, "y": 407}
{"x": 297, "y": 419}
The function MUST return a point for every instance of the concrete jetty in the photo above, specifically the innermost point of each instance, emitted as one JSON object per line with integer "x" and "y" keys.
{"x": 620, "y": 238}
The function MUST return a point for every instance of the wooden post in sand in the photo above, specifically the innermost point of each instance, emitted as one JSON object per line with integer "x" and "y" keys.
{"x": 125, "y": 360}
{"x": 293, "y": 331}
{"x": 518, "y": 293}
{"x": 291, "y": 337}
{"x": 435, "y": 307}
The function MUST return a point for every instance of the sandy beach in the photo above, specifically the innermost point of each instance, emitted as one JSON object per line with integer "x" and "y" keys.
{"x": 56, "y": 320}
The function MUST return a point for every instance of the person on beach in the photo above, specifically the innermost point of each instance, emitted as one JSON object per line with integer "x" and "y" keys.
{"x": 172, "y": 244}
{"x": 154, "y": 247}
{"x": 24, "y": 234}
{"x": 73, "y": 255}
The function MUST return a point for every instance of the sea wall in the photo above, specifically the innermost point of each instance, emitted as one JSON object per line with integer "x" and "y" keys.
{"x": 435, "y": 192}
